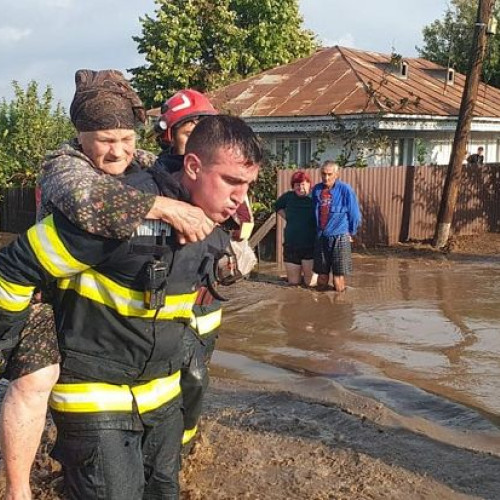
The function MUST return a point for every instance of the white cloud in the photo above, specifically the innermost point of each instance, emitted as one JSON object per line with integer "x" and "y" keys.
{"x": 8, "y": 34}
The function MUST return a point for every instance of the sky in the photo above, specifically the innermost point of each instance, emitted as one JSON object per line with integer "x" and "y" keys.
{"x": 48, "y": 40}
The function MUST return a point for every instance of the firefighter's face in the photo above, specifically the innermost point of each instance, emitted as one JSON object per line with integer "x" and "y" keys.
{"x": 220, "y": 185}
{"x": 181, "y": 135}
{"x": 111, "y": 151}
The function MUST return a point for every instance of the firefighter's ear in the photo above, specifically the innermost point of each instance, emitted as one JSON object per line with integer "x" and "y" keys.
{"x": 192, "y": 166}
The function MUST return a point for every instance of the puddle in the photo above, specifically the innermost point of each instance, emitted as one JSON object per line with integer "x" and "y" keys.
{"x": 421, "y": 336}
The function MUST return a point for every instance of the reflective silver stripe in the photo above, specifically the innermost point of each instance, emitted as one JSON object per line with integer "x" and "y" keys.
{"x": 14, "y": 297}
{"x": 208, "y": 322}
{"x": 50, "y": 250}
{"x": 99, "y": 288}
{"x": 153, "y": 228}
{"x": 87, "y": 398}
{"x": 100, "y": 397}
{"x": 157, "y": 392}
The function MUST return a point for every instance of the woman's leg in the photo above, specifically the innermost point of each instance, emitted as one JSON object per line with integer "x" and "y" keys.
{"x": 293, "y": 273}
{"x": 22, "y": 421}
{"x": 33, "y": 369}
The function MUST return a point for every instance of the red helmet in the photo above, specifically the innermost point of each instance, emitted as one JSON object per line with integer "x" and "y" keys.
{"x": 183, "y": 106}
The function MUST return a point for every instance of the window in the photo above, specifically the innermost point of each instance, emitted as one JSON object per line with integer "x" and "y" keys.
{"x": 406, "y": 152}
{"x": 294, "y": 151}
{"x": 404, "y": 70}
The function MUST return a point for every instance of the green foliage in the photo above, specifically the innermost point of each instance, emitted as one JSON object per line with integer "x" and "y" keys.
{"x": 146, "y": 140}
{"x": 421, "y": 151}
{"x": 29, "y": 126}
{"x": 205, "y": 44}
{"x": 263, "y": 194}
{"x": 359, "y": 142}
{"x": 448, "y": 41}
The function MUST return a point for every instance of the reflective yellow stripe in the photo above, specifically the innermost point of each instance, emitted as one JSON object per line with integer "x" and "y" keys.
{"x": 50, "y": 250}
{"x": 127, "y": 302}
{"x": 207, "y": 323}
{"x": 189, "y": 434}
{"x": 99, "y": 397}
{"x": 157, "y": 392}
{"x": 14, "y": 297}
{"x": 86, "y": 398}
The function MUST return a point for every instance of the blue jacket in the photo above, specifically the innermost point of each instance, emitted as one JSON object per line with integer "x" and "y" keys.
{"x": 345, "y": 215}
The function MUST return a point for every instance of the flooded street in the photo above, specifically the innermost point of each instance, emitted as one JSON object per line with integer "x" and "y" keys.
{"x": 420, "y": 336}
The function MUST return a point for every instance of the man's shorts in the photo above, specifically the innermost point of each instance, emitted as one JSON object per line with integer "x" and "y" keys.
{"x": 37, "y": 347}
{"x": 333, "y": 255}
{"x": 294, "y": 255}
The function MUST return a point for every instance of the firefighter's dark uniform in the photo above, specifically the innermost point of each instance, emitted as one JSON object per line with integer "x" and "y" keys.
{"x": 117, "y": 404}
{"x": 199, "y": 339}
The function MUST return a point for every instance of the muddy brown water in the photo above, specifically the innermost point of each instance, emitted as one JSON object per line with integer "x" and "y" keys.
{"x": 420, "y": 336}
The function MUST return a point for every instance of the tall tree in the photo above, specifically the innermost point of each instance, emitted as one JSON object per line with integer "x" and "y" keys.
{"x": 448, "y": 41}
{"x": 208, "y": 43}
{"x": 29, "y": 126}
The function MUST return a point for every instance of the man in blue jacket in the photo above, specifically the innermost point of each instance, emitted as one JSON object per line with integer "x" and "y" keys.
{"x": 337, "y": 217}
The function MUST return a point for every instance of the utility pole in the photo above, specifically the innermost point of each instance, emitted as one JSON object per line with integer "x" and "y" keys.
{"x": 454, "y": 172}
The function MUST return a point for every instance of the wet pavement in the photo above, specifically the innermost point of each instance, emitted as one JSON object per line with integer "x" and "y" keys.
{"x": 421, "y": 336}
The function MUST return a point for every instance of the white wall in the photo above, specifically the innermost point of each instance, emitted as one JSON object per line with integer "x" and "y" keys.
{"x": 438, "y": 146}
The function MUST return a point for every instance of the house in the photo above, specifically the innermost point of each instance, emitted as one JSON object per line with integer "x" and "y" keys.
{"x": 362, "y": 107}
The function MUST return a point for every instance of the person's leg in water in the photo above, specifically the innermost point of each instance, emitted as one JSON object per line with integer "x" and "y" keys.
{"x": 293, "y": 273}
{"x": 322, "y": 262}
{"x": 322, "y": 283}
{"x": 22, "y": 421}
{"x": 341, "y": 262}
{"x": 339, "y": 283}
{"x": 310, "y": 278}
{"x": 292, "y": 265}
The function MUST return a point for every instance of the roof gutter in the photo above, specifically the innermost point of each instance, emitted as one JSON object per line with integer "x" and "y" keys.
{"x": 385, "y": 122}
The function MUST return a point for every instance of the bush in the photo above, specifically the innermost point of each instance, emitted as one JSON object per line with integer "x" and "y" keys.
{"x": 29, "y": 127}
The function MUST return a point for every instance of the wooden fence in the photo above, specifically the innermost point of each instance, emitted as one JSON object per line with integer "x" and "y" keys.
{"x": 401, "y": 203}
{"x": 17, "y": 209}
{"x": 398, "y": 203}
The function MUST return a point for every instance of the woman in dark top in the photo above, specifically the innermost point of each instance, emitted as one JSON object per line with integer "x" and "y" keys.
{"x": 296, "y": 208}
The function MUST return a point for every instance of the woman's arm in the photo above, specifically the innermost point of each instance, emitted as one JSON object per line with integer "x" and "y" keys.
{"x": 101, "y": 204}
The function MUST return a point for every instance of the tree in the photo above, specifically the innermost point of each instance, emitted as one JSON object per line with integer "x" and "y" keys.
{"x": 454, "y": 173}
{"x": 205, "y": 44}
{"x": 448, "y": 42}
{"x": 29, "y": 126}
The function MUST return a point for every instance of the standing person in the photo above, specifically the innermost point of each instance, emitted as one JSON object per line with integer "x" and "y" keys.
{"x": 337, "y": 218}
{"x": 476, "y": 158}
{"x": 296, "y": 207}
{"x": 92, "y": 143}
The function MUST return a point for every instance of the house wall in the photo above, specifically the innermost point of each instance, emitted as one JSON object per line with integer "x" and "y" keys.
{"x": 405, "y": 147}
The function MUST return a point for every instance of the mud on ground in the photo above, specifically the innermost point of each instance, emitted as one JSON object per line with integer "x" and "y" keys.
{"x": 259, "y": 443}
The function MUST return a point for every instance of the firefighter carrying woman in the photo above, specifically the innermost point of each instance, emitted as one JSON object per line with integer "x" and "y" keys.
{"x": 125, "y": 291}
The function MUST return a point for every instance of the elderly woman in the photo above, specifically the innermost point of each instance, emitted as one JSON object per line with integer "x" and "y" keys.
{"x": 296, "y": 208}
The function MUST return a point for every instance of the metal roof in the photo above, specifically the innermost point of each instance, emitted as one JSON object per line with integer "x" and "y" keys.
{"x": 344, "y": 81}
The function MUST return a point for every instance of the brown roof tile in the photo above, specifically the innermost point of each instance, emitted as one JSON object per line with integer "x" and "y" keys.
{"x": 346, "y": 81}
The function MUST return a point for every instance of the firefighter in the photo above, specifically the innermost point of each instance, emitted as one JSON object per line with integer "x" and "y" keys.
{"x": 95, "y": 200}
{"x": 104, "y": 281}
{"x": 179, "y": 116}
